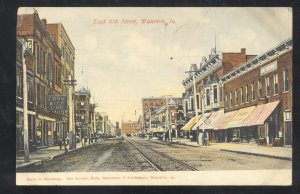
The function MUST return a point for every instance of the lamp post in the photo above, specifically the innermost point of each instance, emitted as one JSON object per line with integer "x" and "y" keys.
{"x": 70, "y": 83}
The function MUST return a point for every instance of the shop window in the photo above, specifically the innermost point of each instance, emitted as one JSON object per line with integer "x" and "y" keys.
{"x": 285, "y": 81}
{"x": 267, "y": 86}
{"x": 262, "y": 131}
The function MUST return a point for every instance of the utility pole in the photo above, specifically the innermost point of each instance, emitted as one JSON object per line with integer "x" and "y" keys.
{"x": 167, "y": 117}
{"x": 25, "y": 114}
{"x": 71, "y": 83}
{"x": 195, "y": 102}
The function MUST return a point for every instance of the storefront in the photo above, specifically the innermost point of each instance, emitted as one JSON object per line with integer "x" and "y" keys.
{"x": 45, "y": 127}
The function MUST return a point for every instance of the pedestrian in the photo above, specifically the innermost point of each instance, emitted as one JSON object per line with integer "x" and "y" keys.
{"x": 60, "y": 143}
{"x": 65, "y": 144}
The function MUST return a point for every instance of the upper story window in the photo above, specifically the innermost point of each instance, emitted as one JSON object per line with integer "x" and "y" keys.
{"x": 246, "y": 93}
{"x": 198, "y": 103}
{"x": 19, "y": 86}
{"x": 215, "y": 91}
{"x": 236, "y": 98}
{"x": 30, "y": 90}
{"x": 226, "y": 100}
{"x": 285, "y": 80}
{"x": 242, "y": 96}
{"x": 253, "y": 91}
{"x": 230, "y": 99}
{"x": 259, "y": 85}
{"x": 207, "y": 92}
{"x": 267, "y": 86}
{"x": 50, "y": 71}
{"x": 276, "y": 85}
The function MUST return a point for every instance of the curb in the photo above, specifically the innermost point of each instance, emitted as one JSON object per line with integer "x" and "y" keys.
{"x": 257, "y": 154}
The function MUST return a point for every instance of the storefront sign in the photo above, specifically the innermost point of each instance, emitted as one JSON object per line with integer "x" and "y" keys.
{"x": 268, "y": 68}
{"x": 57, "y": 102}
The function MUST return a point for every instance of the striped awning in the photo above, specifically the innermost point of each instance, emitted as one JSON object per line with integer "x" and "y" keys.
{"x": 207, "y": 117}
{"x": 260, "y": 114}
{"x": 215, "y": 118}
{"x": 240, "y": 116}
{"x": 191, "y": 123}
{"x": 226, "y": 119}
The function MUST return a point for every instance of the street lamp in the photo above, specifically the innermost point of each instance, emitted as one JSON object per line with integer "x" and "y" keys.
{"x": 70, "y": 83}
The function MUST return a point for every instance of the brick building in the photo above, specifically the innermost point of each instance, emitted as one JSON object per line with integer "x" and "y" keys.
{"x": 30, "y": 65}
{"x": 209, "y": 91}
{"x": 129, "y": 127}
{"x": 152, "y": 104}
{"x": 258, "y": 95}
{"x": 47, "y": 77}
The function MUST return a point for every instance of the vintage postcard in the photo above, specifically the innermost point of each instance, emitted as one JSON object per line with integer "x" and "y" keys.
{"x": 154, "y": 96}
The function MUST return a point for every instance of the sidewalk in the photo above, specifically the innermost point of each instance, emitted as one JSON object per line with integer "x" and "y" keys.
{"x": 42, "y": 155}
{"x": 244, "y": 148}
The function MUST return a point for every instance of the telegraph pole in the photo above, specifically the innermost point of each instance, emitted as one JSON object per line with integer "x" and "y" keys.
{"x": 71, "y": 83}
{"x": 195, "y": 101}
{"x": 25, "y": 114}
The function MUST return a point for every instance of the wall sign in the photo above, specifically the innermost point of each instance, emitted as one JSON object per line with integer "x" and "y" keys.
{"x": 268, "y": 68}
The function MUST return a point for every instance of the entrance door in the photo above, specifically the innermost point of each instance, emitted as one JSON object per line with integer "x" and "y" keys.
{"x": 288, "y": 132}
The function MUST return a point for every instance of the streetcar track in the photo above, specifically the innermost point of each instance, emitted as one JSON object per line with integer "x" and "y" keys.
{"x": 157, "y": 167}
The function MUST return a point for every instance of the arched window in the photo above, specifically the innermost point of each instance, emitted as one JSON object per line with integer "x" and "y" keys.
{"x": 50, "y": 71}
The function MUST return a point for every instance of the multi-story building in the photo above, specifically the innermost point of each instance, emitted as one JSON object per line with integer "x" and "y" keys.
{"x": 129, "y": 127}
{"x": 82, "y": 112}
{"x": 209, "y": 92}
{"x": 30, "y": 66}
{"x": 60, "y": 35}
{"x": 148, "y": 107}
{"x": 47, "y": 76}
{"x": 258, "y": 97}
{"x": 169, "y": 118}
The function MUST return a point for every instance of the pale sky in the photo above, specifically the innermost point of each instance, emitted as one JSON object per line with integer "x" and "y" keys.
{"x": 123, "y": 63}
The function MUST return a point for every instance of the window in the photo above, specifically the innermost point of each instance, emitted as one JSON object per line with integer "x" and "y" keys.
{"x": 267, "y": 86}
{"x": 50, "y": 76}
{"x": 246, "y": 93}
{"x": 198, "y": 103}
{"x": 226, "y": 100}
{"x": 230, "y": 99}
{"x": 207, "y": 97}
{"x": 19, "y": 86}
{"x": 192, "y": 104}
{"x": 242, "y": 97}
{"x": 276, "y": 85}
{"x": 236, "y": 98}
{"x": 261, "y": 131}
{"x": 30, "y": 90}
{"x": 58, "y": 75}
{"x": 285, "y": 81}
{"x": 38, "y": 98}
{"x": 253, "y": 91}
{"x": 186, "y": 106}
{"x": 215, "y": 89}
{"x": 259, "y": 85}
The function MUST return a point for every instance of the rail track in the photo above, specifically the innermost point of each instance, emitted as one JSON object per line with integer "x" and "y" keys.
{"x": 160, "y": 161}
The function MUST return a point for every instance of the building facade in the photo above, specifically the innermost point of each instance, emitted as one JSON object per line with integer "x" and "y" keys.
{"x": 82, "y": 113}
{"x": 209, "y": 92}
{"x": 129, "y": 128}
{"x": 47, "y": 76}
{"x": 262, "y": 89}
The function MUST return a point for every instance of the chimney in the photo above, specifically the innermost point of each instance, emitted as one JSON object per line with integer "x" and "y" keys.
{"x": 243, "y": 51}
{"x": 44, "y": 21}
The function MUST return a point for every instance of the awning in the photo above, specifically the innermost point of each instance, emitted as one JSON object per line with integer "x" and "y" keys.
{"x": 226, "y": 119}
{"x": 260, "y": 114}
{"x": 240, "y": 116}
{"x": 159, "y": 129}
{"x": 200, "y": 122}
{"x": 215, "y": 118}
{"x": 191, "y": 123}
